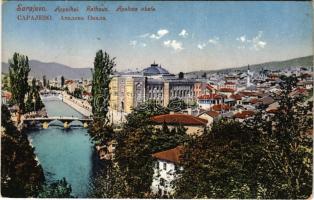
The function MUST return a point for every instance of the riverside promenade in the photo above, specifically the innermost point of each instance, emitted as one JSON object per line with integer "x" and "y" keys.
{"x": 82, "y": 106}
{"x": 85, "y": 109}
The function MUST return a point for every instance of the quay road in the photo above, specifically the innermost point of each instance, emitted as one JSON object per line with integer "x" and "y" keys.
{"x": 84, "y": 107}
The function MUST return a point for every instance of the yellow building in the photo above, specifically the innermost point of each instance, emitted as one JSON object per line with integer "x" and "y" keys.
{"x": 114, "y": 96}
{"x": 129, "y": 93}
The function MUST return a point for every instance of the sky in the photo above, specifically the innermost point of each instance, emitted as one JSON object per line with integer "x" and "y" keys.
{"x": 181, "y": 36}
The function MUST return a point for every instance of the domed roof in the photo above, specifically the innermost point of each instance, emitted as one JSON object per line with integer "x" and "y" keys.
{"x": 154, "y": 69}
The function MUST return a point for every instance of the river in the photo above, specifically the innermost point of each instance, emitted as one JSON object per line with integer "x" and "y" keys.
{"x": 64, "y": 153}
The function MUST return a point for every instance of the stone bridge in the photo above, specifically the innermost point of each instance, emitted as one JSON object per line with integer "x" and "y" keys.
{"x": 66, "y": 122}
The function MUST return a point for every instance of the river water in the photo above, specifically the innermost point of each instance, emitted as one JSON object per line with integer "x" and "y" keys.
{"x": 64, "y": 153}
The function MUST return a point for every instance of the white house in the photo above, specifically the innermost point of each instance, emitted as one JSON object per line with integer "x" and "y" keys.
{"x": 210, "y": 116}
{"x": 165, "y": 170}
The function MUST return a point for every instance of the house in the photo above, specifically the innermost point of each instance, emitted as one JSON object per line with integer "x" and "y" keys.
{"x": 226, "y": 91}
{"x": 194, "y": 125}
{"x": 241, "y": 116}
{"x": 210, "y": 116}
{"x": 166, "y": 166}
{"x": 107, "y": 152}
{"x": 71, "y": 85}
{"x": 221, "y": 108}
{"x": 206, "y": 101}
{"x": 237, "y": 98}
{"x": 299, "y": 91}
{"x": 267, "y": 100}
{"x": 6, "y": 96}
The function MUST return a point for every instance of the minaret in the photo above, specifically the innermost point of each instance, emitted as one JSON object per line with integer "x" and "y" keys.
{"x": 248, "y": 82}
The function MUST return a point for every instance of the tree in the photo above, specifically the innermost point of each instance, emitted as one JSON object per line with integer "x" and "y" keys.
{"x": 218, "y": 164}
{"x": 269, "y": 156}
{"x": 18, "y": 73}
{"x": 44, "y": 81}
{"x": 57, "y": 189}
{"x": 177, "y": 105}
{"x": 181, "y": 75}
{"x": 140, "y": 116}
{"x": 103, "y": 70}
{"x": 130, "y": 174}
{"x": 78, "y": 93}
{"x": 62, "y": 81}
{"x": 33, "y": 102}
{"x": 21, "y": 174}
{"x": 286, "y": 165}
{"x": 5, "y": 82}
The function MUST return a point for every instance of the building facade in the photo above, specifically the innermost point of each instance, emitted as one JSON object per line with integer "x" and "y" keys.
{"x": 155, "y": 83}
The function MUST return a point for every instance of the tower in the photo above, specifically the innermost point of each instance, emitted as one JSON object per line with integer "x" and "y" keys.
{"x": 248, "y": 81}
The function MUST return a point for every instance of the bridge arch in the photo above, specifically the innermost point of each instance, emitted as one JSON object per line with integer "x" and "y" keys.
{"x": 56, "y": 122}
{"x": 76, "y": 123}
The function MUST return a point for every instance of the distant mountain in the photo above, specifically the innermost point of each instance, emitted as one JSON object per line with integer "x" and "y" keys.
{"x": 52, "y": 70}
{"x": 306, "y": 61}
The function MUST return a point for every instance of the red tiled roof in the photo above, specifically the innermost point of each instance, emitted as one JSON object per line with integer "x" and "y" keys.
{"x": 226, "y": 90}
{"x": 178, "y": 119}
{"x": 244, "y": 114}
{"x": 211, "y": 113}
{"x": 68, "y": 82}
{"x": 210, "y": 96}
{"x": 209, "y": 87}
{"x": 87, "y": 93}
{"x": 171, "y": 155}
{"x": 244, "y": 93}
{"x": 236, "y": 96}
{"x": 229, "y": 83}
{"x": 272, "y": 111}
{"x": 220, "y": 107}
{"x": 253, "y": 101}
{"x": 6, "y": 94}
{"x": 301, "y": 90}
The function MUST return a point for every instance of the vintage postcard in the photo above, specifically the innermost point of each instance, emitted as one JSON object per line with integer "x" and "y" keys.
{"x": 157, "y": 99}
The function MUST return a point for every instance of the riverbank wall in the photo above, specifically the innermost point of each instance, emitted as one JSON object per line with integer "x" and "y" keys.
{"x": 83, "y": 107}
{"x": 77, "y": 104}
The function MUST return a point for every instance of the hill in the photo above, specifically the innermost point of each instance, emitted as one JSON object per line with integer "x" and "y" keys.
{"x": 306, "y": 61}
{"x": 52, "y": 70}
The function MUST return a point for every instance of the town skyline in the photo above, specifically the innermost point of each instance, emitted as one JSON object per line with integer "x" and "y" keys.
{"x": 215, "y": 41}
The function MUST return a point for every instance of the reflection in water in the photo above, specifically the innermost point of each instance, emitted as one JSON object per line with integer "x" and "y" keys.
{"x": 64, "y": 153}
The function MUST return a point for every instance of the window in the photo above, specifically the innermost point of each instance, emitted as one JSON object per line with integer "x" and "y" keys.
{"x": 165, "y": 166}
{"x": 162, "y": 182}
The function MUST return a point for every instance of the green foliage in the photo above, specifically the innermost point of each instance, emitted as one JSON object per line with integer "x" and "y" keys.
{"x": 33, "y": 102}
{"x": 78, "y": 93}
{"x": 18, "y": 73}
{"x": 5, "y": 82}
{"x": 181, "y": 75}
{"x": 103, "y": 70}
{"x": 163, "y": 139}
{"x": 135, "y": 163}
{"x": 44, "y": 81}
{"x": 21, "y": 175}
{"x": 269, "y": 156}
{"x": 62, "y": 81}
{"x": 177, "y": 105}
{"x": 218, "y": 164}
{"x": 130, "y": 174}
{"x": 140, "y": 116}
{"x": 287, "y": 147}
{"x": 57, "y": 189}
{"x": 100, "y": 132}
